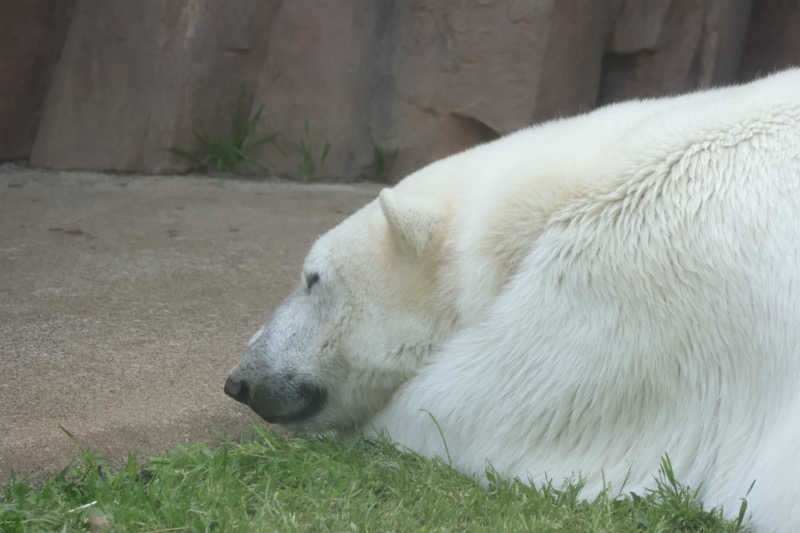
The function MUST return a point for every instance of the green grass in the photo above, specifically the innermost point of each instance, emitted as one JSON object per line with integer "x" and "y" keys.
{"x": 225, "y": 153}
{"x": 276, "y": 483}
{"x": 382, "y": 162}
{"x": 309, "y": 164}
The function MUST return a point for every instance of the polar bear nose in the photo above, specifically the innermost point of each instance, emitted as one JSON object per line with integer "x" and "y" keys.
{"x": 237, "y": 389}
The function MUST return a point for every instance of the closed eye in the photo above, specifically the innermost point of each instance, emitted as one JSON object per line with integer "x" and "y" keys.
{"x": 311, "y": 279}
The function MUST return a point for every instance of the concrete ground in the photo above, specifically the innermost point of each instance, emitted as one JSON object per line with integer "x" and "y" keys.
{"x": 125, "y": 300}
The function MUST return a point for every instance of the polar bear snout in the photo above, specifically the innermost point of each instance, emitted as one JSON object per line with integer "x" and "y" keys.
{"x": 278, "y": 400}
{"x": 287, "y": 402}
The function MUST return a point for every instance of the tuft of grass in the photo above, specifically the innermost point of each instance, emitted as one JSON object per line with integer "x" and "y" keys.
{"x": 227, "y": 152}
{"x": 309, "y": 165}
{"x": 275, "y": 483}
{"x": 382, "y": 162}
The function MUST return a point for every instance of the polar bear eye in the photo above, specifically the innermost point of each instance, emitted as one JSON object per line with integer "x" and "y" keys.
{"x": 311, "y": 279}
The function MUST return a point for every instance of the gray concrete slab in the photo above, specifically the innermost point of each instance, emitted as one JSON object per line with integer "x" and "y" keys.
{"x": 125, "y": 300}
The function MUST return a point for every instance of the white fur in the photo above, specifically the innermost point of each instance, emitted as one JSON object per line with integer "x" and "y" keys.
{"x": 590, "y": 294}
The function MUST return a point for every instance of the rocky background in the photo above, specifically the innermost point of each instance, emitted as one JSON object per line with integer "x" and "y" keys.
{"x": 389, "y": 85}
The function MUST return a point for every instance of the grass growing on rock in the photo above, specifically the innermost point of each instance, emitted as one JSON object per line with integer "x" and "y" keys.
{"x": 225, "y": 153}
{"x": 276, "y": 483}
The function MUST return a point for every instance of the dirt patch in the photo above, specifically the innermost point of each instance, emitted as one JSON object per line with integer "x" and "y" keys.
{"x": 125, "y": 300}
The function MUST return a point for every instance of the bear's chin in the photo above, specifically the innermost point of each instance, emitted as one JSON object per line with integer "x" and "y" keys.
{"x": 303, "y": 403}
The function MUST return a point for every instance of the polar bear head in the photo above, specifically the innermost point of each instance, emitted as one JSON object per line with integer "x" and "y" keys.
{"x": 367, "y": 313}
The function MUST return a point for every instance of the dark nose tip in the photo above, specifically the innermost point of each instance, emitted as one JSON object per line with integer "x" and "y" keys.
{"x": 238, "y": 390}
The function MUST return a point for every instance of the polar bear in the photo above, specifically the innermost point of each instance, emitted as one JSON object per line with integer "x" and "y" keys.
{"x": 578, "y": 298}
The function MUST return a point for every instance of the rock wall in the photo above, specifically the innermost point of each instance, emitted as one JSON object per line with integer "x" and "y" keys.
{"x": 32, "y": 34}
{"x": 660, "y": 47}
{"x": 136, "y": 77}
{"x": 419, "y": 78}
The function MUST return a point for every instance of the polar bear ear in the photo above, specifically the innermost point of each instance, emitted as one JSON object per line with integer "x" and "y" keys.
{"x": 413, "y": 220}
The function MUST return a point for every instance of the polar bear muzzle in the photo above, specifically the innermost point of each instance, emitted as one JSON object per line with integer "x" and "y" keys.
{"x": 278, "y": 402}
